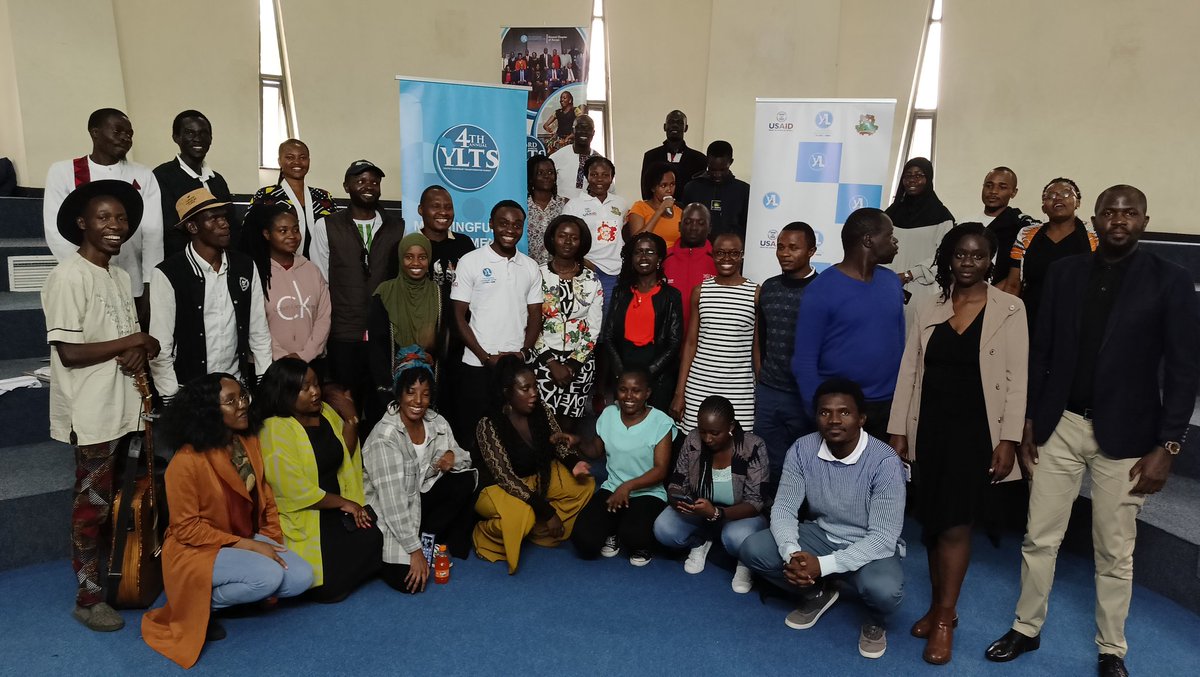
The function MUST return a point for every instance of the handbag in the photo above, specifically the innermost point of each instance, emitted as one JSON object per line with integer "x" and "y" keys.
{"x": 135, "y": 560}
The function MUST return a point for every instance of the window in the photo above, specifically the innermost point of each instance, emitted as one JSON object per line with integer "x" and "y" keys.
{"x": 597, "y": 86}
{"x": 277, "y": 124}
{"x": 920, "y": 138}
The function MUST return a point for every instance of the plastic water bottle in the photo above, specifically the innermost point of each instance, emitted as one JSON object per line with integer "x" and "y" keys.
{"x": 441, "y": 566}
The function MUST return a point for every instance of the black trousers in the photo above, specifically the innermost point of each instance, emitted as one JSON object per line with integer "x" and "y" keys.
{"x": 472, "y": 393}
{"x": 878, "y": 413}
{"x": 447, "y": 512}
{"x": 349, "y": 364}
{"x": 633, "y": 526}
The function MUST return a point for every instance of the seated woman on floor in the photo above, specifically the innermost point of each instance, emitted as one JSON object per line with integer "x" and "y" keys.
{"x": 222, "y": 547}
{"x": 417, "y": 477}
{"x": 715, "y": 489}
{"x": 636, "y": 438}
{"x": 316, "y": 477}
{"x": 538, "y": 483}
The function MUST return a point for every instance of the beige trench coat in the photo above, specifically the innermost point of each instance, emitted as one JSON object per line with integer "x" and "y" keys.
{"x": 1003, "y": 366}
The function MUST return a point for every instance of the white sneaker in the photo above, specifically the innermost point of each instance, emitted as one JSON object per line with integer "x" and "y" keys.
{"x": 696, "y": 558}
{"x": 742, "y": 579}
{"x": 640, "y": 558}
{"x": 611, "y": 547}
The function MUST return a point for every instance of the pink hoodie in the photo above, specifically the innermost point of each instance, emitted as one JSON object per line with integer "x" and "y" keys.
{"x": 298, "y": 310}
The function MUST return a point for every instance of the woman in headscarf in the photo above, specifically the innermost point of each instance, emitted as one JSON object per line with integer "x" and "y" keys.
{"x": 405, "y": 310}
{"x": 921, "y": 221}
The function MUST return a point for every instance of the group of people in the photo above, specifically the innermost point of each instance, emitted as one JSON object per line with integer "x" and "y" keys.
{"x": 341, "y": 394}
{"x": 543, "y": 72}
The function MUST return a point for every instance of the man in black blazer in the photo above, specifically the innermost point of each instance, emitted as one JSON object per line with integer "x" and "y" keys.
{"x": 1113, "y": 376}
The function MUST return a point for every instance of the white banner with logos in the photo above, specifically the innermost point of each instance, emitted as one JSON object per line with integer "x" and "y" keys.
{"x": 815, "y": 160}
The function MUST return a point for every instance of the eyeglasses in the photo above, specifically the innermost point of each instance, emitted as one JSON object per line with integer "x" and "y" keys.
{"x": 1058, "y": 195}
{"x": 242, "y": 400}
{"x": 727, "y": 253}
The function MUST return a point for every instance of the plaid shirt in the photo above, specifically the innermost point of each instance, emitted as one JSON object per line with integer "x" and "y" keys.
{"x": 393, "y": 472}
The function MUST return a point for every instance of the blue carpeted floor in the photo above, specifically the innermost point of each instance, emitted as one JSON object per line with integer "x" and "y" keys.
{"x": 563, "y": 616}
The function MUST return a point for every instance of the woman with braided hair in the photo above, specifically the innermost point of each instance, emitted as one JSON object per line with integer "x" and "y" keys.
{"x": 538, "y": 484}
{"x": 716, "y": 489}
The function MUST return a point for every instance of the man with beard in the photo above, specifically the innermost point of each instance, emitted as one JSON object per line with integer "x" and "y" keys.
{"x": 356, "y": 248}
{"x": 851, "y": 323}
{"x": 192, "y": 132}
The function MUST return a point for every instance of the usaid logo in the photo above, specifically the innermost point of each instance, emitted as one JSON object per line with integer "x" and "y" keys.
{"x": 781, "y": 123}
{"x": 824, "y": 119}
{"x": 771, "y": 201}
{"x": 466, "y": 157}
{"x": 770, "y": 240}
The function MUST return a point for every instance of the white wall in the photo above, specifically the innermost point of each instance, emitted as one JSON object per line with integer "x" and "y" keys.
{"x": 1101, "y": 91}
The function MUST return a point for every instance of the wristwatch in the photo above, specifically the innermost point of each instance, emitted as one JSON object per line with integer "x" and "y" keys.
{"x": 1172, "y": 448}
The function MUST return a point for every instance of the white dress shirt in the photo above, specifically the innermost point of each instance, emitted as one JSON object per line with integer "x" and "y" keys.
{"x": 144, "y": 249}
{"x": 220, "y": 324}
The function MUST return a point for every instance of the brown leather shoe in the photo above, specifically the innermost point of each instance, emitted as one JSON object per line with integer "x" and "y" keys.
{"x": 940, "y": 645}
{"x": 924, "y": 623}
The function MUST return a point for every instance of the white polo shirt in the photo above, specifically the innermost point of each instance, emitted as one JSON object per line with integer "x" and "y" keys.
{"x": 605, "y": 221}
{"x": 499, "y": 291}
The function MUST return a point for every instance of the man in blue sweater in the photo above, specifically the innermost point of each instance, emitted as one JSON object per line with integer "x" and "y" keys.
{"x": 851, "y": 323}
{"x": 855, "y": 489}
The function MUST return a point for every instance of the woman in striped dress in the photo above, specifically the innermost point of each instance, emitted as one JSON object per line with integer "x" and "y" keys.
{"x": 720, "y": 351}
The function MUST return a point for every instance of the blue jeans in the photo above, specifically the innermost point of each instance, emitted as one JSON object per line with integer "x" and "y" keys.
{"x": 676, "y": 530}
{"x": 779, "y": 419}
{"x": 607, "y": 284}
{"x": 880, "y": 584}
{"x": 244, "y": 577}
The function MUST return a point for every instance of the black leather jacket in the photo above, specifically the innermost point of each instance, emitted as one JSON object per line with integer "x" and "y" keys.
{"x": 668, "y": 329}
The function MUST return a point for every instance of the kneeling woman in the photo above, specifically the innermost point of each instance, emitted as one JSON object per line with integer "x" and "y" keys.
{"x": 222, "y": 547}
{"x": 540, "y": 484}
{"x": 316, "y": 477}
{"x": 636, "y": 438}
{"x": 417, "y": 477}
{"x": 715, "y": 489}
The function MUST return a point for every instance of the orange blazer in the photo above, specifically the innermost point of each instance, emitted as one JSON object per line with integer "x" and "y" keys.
{"x": 199, "y": 528}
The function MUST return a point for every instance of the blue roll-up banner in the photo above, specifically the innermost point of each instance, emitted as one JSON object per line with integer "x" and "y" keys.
{"x": 469, "y": 138}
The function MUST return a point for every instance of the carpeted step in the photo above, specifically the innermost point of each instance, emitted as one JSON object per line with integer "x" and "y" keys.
{"x": 35, "y": 503}
{"x": 24, "y": 326}
{"x": 21, "y": 217}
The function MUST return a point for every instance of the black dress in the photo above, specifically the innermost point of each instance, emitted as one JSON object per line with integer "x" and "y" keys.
{"x": 347, "y": 557}
{"x": 954, "y": 445}
{"x": 1039, "y": 254}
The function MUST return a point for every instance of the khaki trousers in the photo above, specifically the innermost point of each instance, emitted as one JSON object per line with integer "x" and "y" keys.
{"x": 1070, "y": 451}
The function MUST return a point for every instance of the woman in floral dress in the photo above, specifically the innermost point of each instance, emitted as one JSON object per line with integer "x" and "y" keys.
{"x": 565, "y": 363}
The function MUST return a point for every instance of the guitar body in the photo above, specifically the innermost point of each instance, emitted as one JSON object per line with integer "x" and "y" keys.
{"x": 141, "y": 564}
{"x": 135, "y": 560}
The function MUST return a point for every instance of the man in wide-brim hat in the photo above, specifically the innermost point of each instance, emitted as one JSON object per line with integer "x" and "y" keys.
{"x": 96, "y": 348}
{"x": 206, "y": 302}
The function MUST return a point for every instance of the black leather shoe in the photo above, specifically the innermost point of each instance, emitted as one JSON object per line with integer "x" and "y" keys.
{"x": 1112, "y": 666}
{"x": 1011, "y": 645}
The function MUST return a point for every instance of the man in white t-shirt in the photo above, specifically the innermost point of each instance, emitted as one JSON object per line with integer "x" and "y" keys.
{"x": 96, "y": 350}
{"x": 112, "y": 137}
{"x": 501, "y": 290}
{"x": 569, "y": 160}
